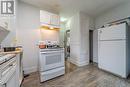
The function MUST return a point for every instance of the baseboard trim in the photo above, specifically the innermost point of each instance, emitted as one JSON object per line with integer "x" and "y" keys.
{"x": 78, "y": 63}
{"x": 95, "y": 60}
{"x": 73, "y": 61}
{"x": 83, "y": 63}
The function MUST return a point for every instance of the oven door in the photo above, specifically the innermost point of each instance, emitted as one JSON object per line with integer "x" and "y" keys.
{"x": 51, "y": 59}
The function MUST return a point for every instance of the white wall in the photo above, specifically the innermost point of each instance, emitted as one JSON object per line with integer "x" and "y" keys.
{"x": 119, "y": 12}
{"x": 75, "y": 39}
{"x": 24, "y": 27}
{"x": 28, "y": 35}
{"x": 10, "y": 39}
{"x": 84, "y": 38}
{"x": 51, "y": 35}
{"x": 79, "y": 39}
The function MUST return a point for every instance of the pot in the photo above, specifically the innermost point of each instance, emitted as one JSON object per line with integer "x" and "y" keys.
{"x": 8, "y": 49}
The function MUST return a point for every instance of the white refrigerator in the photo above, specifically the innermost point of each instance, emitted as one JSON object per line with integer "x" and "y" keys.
{"x": 113, "y": 49}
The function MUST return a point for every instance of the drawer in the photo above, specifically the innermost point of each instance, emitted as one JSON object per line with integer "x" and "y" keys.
{"x": 44, "y": 76}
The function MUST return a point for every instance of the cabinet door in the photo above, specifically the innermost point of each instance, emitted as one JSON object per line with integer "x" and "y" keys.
{"x": 4, "y": 23}
{"x": 45, "y": 17}
{"x": 55, "y": 20}
{"x": 12, "y": 82}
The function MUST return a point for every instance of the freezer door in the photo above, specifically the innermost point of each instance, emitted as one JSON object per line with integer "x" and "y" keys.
{"x": 115, "y": 32}
{"x": 112, "y": 57}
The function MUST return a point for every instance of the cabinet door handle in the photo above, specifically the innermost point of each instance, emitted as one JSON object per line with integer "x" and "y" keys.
{"x": 11, "y": 65}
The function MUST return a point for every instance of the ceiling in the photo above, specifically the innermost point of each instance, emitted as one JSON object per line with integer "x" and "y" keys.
{"x": 68, "y": 7}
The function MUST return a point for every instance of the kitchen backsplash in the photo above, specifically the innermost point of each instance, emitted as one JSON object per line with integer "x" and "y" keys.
{"x": 50, "y": 35}
{"x": 48, "y": 42}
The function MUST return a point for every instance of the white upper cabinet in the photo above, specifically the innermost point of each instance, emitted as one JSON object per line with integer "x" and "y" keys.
{"x": 4, "y": 23}
{"x": 3, "y": 29}
{"x": 55, "y": 20}
{"x": 49, "y": 19}
{"x": 45, "y": 17}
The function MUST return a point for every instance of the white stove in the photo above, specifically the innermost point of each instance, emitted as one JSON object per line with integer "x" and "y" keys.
{"x": 51, "y": 63}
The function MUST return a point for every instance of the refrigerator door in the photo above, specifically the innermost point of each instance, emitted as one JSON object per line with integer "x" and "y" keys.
{"x": 115, "y": 32}
{"x": 112, "y": 57}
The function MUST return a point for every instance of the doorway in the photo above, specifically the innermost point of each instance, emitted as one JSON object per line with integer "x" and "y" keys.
{"x": 67, "y": 44}
{"x": 91, "y": 46}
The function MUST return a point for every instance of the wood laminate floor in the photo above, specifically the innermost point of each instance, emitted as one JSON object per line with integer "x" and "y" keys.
{"x": 87, "y": 76}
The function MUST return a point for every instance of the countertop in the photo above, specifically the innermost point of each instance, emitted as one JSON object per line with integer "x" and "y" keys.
{"x": 12, "y": 52}
{"x": 5, "y": 56}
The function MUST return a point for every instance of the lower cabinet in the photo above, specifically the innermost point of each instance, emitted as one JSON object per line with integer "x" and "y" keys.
{"x": 15, "y": 75}
{"x": 12, "y": 82}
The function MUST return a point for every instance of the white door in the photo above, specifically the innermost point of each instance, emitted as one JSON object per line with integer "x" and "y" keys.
{"x": 112, "y": 56}
{"x": 95, "y": 46}
{"x": 113, "y": 32}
